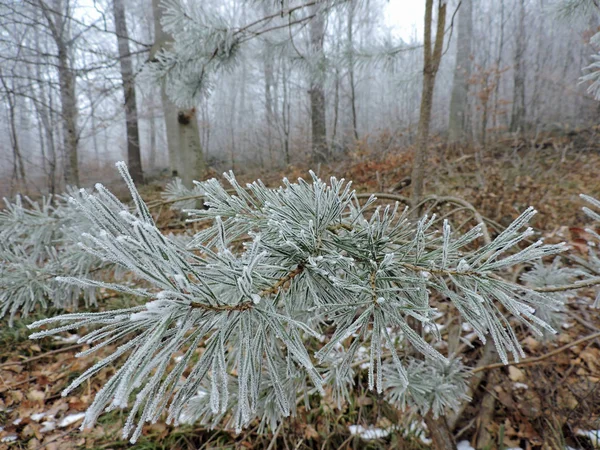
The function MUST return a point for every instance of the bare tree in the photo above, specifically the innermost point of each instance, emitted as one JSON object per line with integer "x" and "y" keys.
{"x": 18, "y": 166}
{"x": 350, "y": 37}
{"x": 57, "y": 15}
{"x": 459, "y": 101}
{"x": 131, "y": 116}
{"x": 186, "y": 158}
{"x": 432, "y": 56}
{"x": 518, "y": 108}
{"x": 320, "y": 150}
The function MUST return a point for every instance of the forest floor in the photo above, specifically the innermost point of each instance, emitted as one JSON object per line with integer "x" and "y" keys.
{"x": 551, "y": 403}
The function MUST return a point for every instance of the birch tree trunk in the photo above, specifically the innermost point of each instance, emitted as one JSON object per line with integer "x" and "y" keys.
{"x": 186, "y": 159}
{"x": 459, "y": 101}
{"x": 134, "y": 160}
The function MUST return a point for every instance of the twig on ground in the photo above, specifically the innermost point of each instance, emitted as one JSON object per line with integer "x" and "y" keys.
{"x": 45, "y": 355}
{"x": 528, "y": 361}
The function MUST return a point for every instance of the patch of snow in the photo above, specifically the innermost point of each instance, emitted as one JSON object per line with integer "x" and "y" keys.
{"x": 178, "y": 358}
{"x": 37, "y": 416}
{"x": 67, "y": 340}
{"x": 9, "y": 438}
{"x": 567, "y": 325}
{"x": 464, "y": 445}
{"x": 471, "y": 336}
{"x": 47, "y": 426}
{"x": 361, "y": 354}
{"x": 520, "y": 386}
{"x": 71, "y": 419}
{"x": 592, "y": 435}
{"x": 466, "y": 327}
{"x": 17, "y": 421}
{"x": 368, "y": 433}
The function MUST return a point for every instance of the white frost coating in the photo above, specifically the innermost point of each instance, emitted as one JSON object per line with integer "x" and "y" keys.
{"x": 67, "y": 340}
{"x": 464, "y": 445}
{"x": 370, "y": 432}
{"x": 592, "y": 435}
{"x": 70, "y": 419}
{"x": 37, "y": 416}
{"x": 48, "y": 426}
{"x": 265, "y": 346}
{"x": 9, "y": 438}
{"x": 463, "y": 266}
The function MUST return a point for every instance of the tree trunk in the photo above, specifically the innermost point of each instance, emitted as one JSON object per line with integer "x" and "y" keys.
{"x": 320, "y": 150}
{"x": 351, "y": 68}
{"x": 431, "y": 62}
{"x": 68, "y": 99}
{"x": 186, "y": 158}
{"x": 438, "y": 428}
{"x": 285, "y": 113}
{"x": 499, "y": 65}
{"x": 440, "y": 433}
{"x": 191, "y": 158}
{"x": 134, "y": 160}
{"x": 268, "y": 67}
{"x": 518, "y": 108}
{"x": 18, "y": 166}
{"x": 152, "y": 156}
{"x": 459, "y": 102}
{"x": 57, "y": 18}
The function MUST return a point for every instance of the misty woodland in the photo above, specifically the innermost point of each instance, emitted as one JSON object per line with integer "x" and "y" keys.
{"x": 322, "y": 224}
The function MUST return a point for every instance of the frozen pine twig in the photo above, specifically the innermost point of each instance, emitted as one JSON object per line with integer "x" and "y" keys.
{"x": 311, "y": 261}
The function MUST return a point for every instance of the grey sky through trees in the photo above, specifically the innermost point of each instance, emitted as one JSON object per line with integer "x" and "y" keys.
{"x": 386, "y": 88}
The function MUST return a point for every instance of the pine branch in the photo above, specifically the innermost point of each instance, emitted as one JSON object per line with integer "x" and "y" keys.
{"x": 362, "y": 279}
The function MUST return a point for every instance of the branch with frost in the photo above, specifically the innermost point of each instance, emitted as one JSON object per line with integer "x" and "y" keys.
{"x": 207, "y": 43}
{"x": 38, "y": 242}
{"x": 593, "y": 254}
{"x": 314, "y": 272}
{"x": 593, "y": 76}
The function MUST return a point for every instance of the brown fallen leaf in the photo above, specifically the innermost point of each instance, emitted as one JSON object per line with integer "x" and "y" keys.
{"x": 516, "y": 374}
{"x": 36, "y": 395}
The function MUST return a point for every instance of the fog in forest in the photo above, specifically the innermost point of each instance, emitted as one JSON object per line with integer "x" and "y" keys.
{"x": 308, "y": 84}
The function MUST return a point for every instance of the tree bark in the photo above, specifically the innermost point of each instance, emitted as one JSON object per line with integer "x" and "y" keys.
{"x": 186, "y": 158}
{"x": 134, "y": 160}
{"x": 440, "y": 433}
{"x": 432, "y": 56}
{"x": 351, "y": 68}
{"x": 18, "y": 166}
{"x": 459, "y": 101}
{"x": 152, "y": 156}
{"x": 68, "y": 100}
{"x": 45, "y": 114}
{"x": 57, "y": 19}
{"x": 517, "y": 120}
{"x": 320, "y": 150}
{"x": 268, "y": 67}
